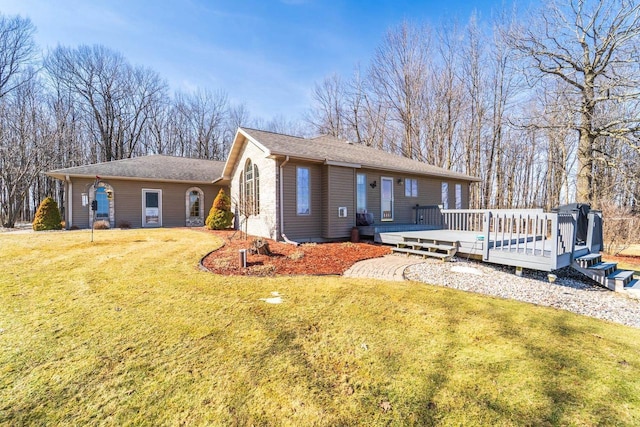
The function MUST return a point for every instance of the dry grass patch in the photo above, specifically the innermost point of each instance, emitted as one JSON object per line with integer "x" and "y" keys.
{"x": 128, "y": 331}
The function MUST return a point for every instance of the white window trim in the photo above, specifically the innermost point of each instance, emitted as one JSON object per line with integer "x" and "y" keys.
{"x": 144, "y": 192}
{"x": 365, "y": 192}
{"x": 445, "y": 201}
{"x": 390, "y": 179}
{"x": 458, "y": 188}
{"x": 410, "y": 181}
{"x": 308, "y": 190}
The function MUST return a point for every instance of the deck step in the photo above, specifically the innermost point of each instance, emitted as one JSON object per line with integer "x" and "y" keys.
{"x": 433, "y": 246}
{"x": 605, "y": 267}
{"x": 633, "y": 289}
{"x": 422, "y": 252}
{"x": 621, "y": 277}
{"x": 589, "y": 260}
{"x": 633, "y": 285}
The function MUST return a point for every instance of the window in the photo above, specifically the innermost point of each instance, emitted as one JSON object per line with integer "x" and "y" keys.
{"x": 445, "y": 195}
{"x": 250, "y": 189}
{"x": 458, "y": 196}
{"x": 241, "y": 192}
{"x": 103, "y": 204}
{"x": 303, "y": 203}
{"x": 411, "y": 187}
{"x": 361, "y": 193}
{"x": 256, "y": 190}
{"x": 194, "y": 207}
{"x": 194, "y": 204}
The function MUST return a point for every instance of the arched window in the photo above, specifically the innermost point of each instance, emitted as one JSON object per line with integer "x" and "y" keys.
{"x": 256, "y": 190}
{"x": 250, "y": 189}
{"x": 195, "y": 207}
{"x": 194, "y": 204}
{"x": 104, "y": 196}
{"x": 103, "y": 204}
{"x": 241, "y": 193}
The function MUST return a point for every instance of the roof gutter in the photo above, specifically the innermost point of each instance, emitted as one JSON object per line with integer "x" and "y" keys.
{"x": 284, "y": 236}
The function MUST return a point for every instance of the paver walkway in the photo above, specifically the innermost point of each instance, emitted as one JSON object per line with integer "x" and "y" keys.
{"x": 389, "y": 267}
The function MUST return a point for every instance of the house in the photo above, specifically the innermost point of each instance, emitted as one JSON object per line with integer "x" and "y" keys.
{"x": 316, "y": 189}
{"x": 312, "y": 189}
{"x": 148, "y": 191}
{"x": 282, "y": 187}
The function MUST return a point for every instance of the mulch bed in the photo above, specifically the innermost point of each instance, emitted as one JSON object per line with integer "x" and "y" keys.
{"x": 287, "y": 259}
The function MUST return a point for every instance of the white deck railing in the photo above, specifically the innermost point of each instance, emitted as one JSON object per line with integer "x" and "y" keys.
{"x": 516, "y": 233}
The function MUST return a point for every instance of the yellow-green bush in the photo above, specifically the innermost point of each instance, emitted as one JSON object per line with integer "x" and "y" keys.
{"x": 220, "y": 215}
{"x": 47, "y": 216}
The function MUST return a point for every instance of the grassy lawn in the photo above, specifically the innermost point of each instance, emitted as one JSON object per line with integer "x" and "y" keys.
{"x": 127, "y": 331}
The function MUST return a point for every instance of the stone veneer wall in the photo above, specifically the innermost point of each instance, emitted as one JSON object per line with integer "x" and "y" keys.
{"x": 265, "y": 224}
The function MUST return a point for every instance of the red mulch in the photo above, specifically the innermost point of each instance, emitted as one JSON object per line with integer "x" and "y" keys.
{"x": 287, "y": 259}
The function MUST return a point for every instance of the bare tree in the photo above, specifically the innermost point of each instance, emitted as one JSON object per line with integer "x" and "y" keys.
{"x": 25, "y": 148}
{"x": 204, "y": 115}
{"x": 328, "y": 115}
{"x": 17, "y": 52}
{"x": 399, "y": 74}
{"x": 592, "y": 46}
{"x": 115, "y": 97}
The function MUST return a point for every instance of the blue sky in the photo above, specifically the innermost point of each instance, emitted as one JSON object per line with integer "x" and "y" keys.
{"x": 267, "y": 54}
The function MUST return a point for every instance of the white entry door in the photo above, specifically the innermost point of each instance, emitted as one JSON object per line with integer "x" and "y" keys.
{"x": 151, "y": 208}
{"x": 386, "y": 199}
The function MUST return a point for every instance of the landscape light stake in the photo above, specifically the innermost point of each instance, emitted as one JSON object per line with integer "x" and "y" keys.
{"x": 94, "y": 205}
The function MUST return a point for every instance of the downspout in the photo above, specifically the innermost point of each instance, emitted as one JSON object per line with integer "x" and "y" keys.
{"x": 69, "y": 197}
{"x": 284, "y": 236}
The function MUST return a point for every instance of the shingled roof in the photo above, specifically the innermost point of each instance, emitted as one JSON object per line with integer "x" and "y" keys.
{"x": 154, "y": 167}
{"x": 328, "y": 149}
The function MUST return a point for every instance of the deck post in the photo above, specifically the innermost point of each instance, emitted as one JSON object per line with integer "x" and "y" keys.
{"x": 554, "y": 240}
{"x": 594, "y": 232}
{"x": 486, "y": 231}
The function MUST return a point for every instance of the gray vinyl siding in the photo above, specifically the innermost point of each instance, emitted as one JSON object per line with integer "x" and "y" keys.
{"x": 127, "y": 199}
{"x": 340, "y": 191}
{"x": 303, "y": 227}
{"x": 80, "y": 214}
{"x": 429, "y": 193}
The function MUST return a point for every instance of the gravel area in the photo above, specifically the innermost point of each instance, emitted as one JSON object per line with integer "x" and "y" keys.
{"x": 571, "y": 291}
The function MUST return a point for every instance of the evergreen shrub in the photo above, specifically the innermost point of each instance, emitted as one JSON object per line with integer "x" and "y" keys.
{"x": 47, "y": 216}
{"x": 220, "y": 215}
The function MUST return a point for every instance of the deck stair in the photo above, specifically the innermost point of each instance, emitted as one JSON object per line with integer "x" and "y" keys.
{"x": 434, "y": 249}
{"x": 607, "y": 274}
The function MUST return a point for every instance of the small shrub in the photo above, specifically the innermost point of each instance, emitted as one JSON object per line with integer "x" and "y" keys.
{"x": 220, "y": 215}
{"x": 101, "y": 225}
{"x": 296, "y": 255}
{"x": 262, "y": 270}
{"x": 47, "y": 216}
{"x": 74, "y": 227}
{"x": 124, "y": 225}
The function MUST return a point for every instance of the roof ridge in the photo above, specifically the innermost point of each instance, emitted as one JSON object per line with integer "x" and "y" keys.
{"x": 273, "y": 133}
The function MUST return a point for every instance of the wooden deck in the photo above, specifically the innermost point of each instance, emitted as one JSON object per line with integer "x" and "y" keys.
{"x": 518, "y": 252}
{"x": 522, "y": 238}
{"x": 375, "y": 229}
